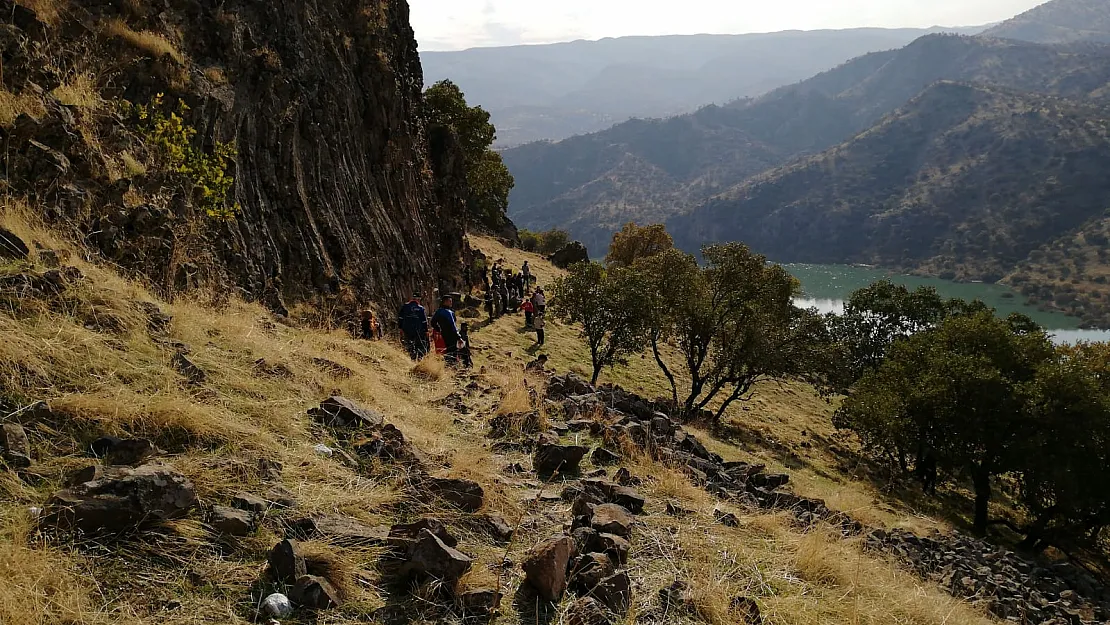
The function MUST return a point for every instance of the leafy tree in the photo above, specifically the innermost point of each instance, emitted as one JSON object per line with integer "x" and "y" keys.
{"x": 606, "y": 304}
{"x": 733, "y": 322}
{"x": 959, "y": 389}
{"x": 547, "y": 242}
{"x": 488, "y": 179}
{"x": 633, "y": 243}
{"x": 1064, "y": 462}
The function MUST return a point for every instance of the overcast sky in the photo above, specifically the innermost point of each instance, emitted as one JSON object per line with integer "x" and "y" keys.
{"x": 459, "y": 24}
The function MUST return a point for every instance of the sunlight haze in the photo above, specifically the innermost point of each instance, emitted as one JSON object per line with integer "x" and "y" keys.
{"x": 460, "y": 24}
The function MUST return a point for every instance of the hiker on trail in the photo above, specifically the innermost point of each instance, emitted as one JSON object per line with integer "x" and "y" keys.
{"x": 444, "y": 322}
{"x": 529, "y": 309}
{"x": 539, "y": 324}
{"x": 538, "y": 365}
{"x": 371, "y": 327}
{"x": 539, "y": 301}
{"x": 413, "y": 321}
{"x": 521, "y": 285}
{"x": 527, "y": 271}
{"x": 464, "y": 346}
{"x": 490, "y": 308}
{"x": 503, "y": 295}
{"x": 484, "y": 275}
{"x": 510, "y": 282}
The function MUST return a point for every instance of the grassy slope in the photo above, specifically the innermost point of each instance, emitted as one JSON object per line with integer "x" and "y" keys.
{"x": 89, "y": 353}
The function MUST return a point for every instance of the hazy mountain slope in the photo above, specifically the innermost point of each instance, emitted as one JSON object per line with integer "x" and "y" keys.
{"x": 576, "y": 183}
{"x": 559, "y": 90}
{"x": 964, "y": 181}
{"x": 1059, "y": 21}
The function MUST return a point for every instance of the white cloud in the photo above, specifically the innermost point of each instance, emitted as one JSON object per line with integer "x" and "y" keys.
{"x": 458, "y": 24}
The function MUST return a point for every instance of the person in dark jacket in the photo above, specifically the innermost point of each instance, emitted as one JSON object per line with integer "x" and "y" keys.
{"x": 465, "y": 358}
{"x": 444, "y": 322}
{"x": 413, "y": 321}
{"x": 527, "y": 271}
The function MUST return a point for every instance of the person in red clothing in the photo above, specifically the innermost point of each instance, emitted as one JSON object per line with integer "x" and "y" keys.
{"x": 529, "y": 311}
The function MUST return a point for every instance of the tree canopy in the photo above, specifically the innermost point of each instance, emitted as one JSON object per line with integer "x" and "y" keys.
{"x": 488, "y": 179}
{"x": 633, "y": 243}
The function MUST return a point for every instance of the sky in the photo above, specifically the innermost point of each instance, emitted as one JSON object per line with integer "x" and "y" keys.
{"x": 460, "y": 24}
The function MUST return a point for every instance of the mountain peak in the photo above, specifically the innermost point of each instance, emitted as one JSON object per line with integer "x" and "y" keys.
{"x": 1059, "y": 21}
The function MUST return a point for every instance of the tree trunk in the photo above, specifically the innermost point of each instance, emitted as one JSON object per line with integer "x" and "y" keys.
{"x": 663, "y": 366}
{"x": 982, "y": 481}
{"x": 597, "y": 374}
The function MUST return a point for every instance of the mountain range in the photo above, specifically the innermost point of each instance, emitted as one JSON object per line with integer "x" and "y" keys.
{"x": 968, "y": 157}
{"x": 555, "y": 91}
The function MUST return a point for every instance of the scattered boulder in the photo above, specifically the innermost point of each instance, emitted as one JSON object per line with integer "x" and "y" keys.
{"x": 545, "y": 567}
{"x": 586, "y": 540}
{"x": 579, "y": 425}
{"x": 342, "y": 531}
{"x": 287, "y": 565}
{"x": 269, "y": 470}
{"x": 276, "y": 606}
{"x": 496, "y": 527}
{"x": 589, "y": 569}
{"x": 615, "y": 547}
{"x": 15, "y": 448}
{"x": 231, "y": 521}
{"x": 615, "y": 592}
{"x": 429, "y": 556}
{"x": 192, "y": 373}
{"x": 85, "y": 474}
{"x": 587, "y": 611}
{"x": 770, "y": 481}
{"x": 389, "y": 444}
{"x": 403, "y": 533}
{"x": 281, "y": 496}
{"x": 250, "y": 503}
{"x": 340, "y": 412}
{"x": 123, "y": 498}
{"x": 11, "y": 246}
{"x": 727, "y": 519}
{"x": 466, "y": 495}
{"x": 563, "y": 459}
{"x": 315, "y": 593}
{"x": 602, "y": 456}
{"x": 122, "y": 451}
{"x": 612, "y": 519}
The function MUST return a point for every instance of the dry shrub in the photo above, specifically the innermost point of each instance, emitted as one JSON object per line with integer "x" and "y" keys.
{"x": 215, "y": 75}
{"x": 431, "y": 368}
{"x": 152, "y": 43}
{"x": 133, "y": 167}
{"x": 81, "y": 90}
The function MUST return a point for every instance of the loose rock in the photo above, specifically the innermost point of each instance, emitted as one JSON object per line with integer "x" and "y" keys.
{"x": 727, "y": 519}
{"x": 615, "y": 592}
{"x": 231, "y": 521}
{"x": 612, "y": 519}
{"x": 342, "y": 531}
{"x": 466, "y": 495}
{"x": 315, "y": 593}
{"x": 545, "y": 567}
{"x": 602, "y": 456}
{"x": 15, "y": 448}
{"x": 11, "y": 246}
{"x": 589, "y": 569}
{"x": 250, "y": 503}
{"x": 287, "y": 565}
{"x": 587, "y": 611}
{"x": 479, "y": 602}
{"x": 341, "y": 412}
{"x": 122, "y": 451}
{"x": 277, "y": 606}
{"x": 558, "y": 458}
{"x": 430, "y": 557}
{"x": 123, "y": 498}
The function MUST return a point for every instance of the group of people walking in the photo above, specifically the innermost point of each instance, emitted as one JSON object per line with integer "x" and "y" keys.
{"x": 506, "y": 293}
{"x": 418, "y": 334}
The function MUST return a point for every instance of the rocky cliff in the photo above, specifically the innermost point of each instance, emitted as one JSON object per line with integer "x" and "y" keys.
{"x": 336, "y": 193}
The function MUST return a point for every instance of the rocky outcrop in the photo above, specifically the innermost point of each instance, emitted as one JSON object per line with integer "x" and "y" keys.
{"x": 342, "y": 190}
{"x": 122, "y": 498}
{"x": 573, "y": 252}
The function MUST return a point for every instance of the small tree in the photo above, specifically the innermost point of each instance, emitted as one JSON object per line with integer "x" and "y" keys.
{"x": 553, "y": 240}
{"x": 606, "y": 304}
{"x": 633, "y": 243}
{"x": 734, "y": 324}
{"x": 488, "y": 179}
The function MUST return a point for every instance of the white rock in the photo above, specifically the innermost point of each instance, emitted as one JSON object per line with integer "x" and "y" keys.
{"x": 277, "y": 605}
{"x": 323, "y": 450}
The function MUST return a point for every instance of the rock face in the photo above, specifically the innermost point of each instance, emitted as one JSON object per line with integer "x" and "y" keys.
{"x": 340, "y": 183}
{"x": 123, "y": 498}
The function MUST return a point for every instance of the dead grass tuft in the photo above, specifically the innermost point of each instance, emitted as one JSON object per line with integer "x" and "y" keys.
{"x": 431, "y": 368}
{"x": 47, "y": 11}
{"x": 81, "y": 90}
{"x": 12, "y": 106}
{"x": 152, "y": 43}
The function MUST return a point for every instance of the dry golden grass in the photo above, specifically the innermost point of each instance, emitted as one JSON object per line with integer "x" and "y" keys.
{"x": 216, "y": 75}
{"x": 131, "y": 165}
{"x": 80, "y": 90}
{"x": 152, "y": 43}
{"x": 48, "y": 11}
{"x": 431, "y": 367}
{"x": 89, "y": 353}
{"x": 12, "y": 106}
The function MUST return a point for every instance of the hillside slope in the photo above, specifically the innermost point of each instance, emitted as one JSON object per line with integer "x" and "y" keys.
{"x": 336, "y": 178}
{"x": 109, "y": 358}
{"x": 1059, "y": 21}
{"x": 963, "y": 182}
{"x": 645, "y": 170}
{"x": 559, "y": 90}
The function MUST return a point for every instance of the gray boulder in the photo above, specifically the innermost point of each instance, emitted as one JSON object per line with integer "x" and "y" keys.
{"x": 341, "y": 412}
{"x": 123, "y": 498}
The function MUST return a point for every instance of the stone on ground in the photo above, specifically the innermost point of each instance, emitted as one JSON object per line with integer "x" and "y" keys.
{"x": 466, "y": 495}
{"x": 589, "y": 569}
{"x": 342, "y": 531}
{"x": 602, "y": 456}
{"x": 615, "y": 592}
{"x": 250, "y": 503}
{"x": 287, "y": 565}
{"x": 276, "y": 606}
{"x": 341, "y": 412}
{"x": 429, "y": 556}
{"x": 545, "y": 567}
{"x": 315, "y": 593}
{"x": 231, "y": 521}
{"x": 610, "y": 518}
{"x": 122, "y": 451}
{"x": 563, "y": 459}
{"x": 587, "y": 611}
{"x": 15, "y": 448}
{"x": 123, "y": 498}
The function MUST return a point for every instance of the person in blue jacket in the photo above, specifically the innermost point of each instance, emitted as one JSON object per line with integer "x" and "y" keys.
{"x": 413, "y": 321}
{"x": 446, "y": 324}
